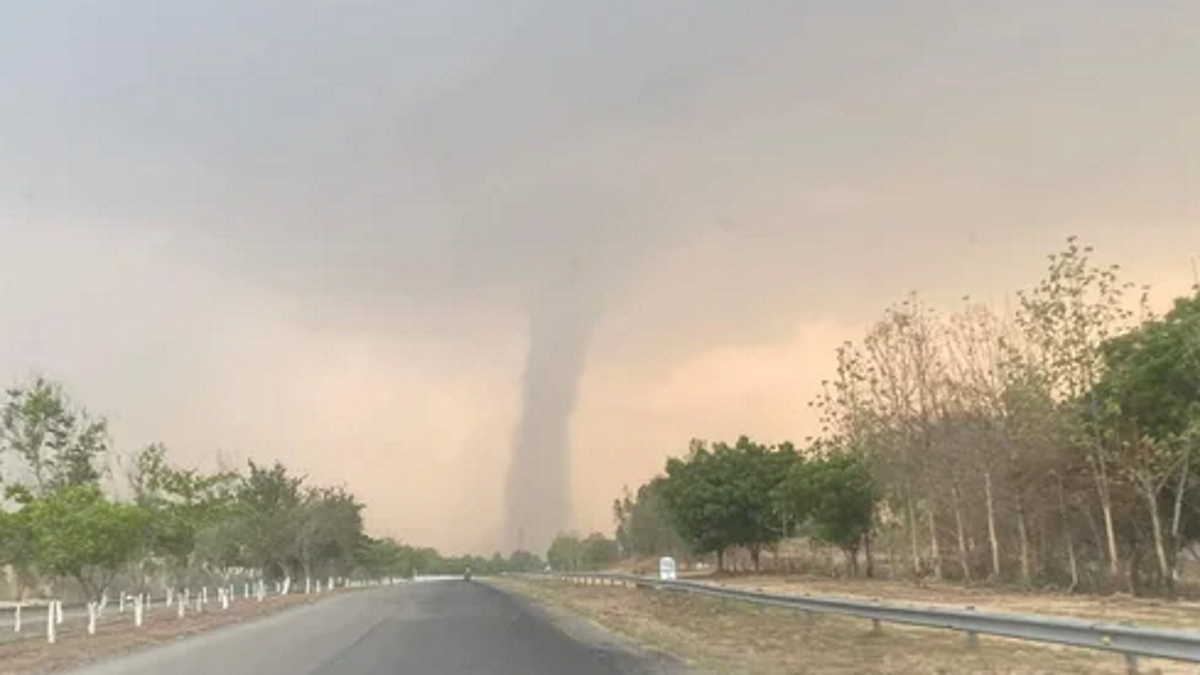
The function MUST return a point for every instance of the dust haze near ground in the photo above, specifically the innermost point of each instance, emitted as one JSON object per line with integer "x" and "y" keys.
{"x": 320, "y": 232}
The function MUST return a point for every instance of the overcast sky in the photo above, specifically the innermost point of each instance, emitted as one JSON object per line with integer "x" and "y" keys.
{"x": 321, "y": 231}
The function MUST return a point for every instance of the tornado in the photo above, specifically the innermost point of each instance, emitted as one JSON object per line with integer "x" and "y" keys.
{"x": 538, "y": 488}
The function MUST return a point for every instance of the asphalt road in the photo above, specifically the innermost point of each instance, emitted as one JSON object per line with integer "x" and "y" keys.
{"x": 429, "y": 627}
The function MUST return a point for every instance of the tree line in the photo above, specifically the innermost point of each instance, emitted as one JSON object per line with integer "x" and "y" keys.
{"x": 68, "y": 522}
{"x": 1051, "y": 445}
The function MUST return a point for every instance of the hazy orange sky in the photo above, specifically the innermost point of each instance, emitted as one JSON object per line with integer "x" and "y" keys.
{"x": 318, "y": 231}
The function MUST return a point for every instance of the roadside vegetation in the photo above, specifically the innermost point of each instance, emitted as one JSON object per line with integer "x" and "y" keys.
{"x": 70, "y": 528}
{"x": 1052, "y": 447}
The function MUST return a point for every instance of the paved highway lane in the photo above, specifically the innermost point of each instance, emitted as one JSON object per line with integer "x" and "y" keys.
{"x": 430, "y": 627}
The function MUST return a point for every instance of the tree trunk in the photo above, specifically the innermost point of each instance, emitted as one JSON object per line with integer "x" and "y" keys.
{"x": 870, "y": 557}
{"x": 991, "y": 521}
{"x": 912, "y": 535}
{"x": 934, "y": 551}
{"x": 1178, "y": 514}
{"x": 963, "y": 560}
{"x": 1071, "y": 560}
{"x": 1100, "y": 473}
{"x": 1160, "y": 549}
{"x": 1023, "y": 535}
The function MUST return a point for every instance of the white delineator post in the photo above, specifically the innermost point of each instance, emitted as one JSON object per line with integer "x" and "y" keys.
{"x": 180, "y": 608}
{"x": 246, "y": 591}
{"x": 204, "y": 595}
{"x": 666, "y": 568}
{"x": 17, "y": 618}
{"x": 50, "y": 623}
{"x": 307, "y": 585}
{"x": 92, "y": 609}
{"x": 58, "y": 618}
{"x": 331, "y": 586}
{"x": 137, "y": 611}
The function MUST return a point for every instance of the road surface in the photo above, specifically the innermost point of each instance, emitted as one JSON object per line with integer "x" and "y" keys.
{"x": 429, "y": 627}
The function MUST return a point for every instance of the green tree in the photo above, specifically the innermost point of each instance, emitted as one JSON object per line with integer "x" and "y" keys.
{"x": 57, "y": 445}
{"x": 329, "y": 524}
{"x": 189, "y": 508}
{"x": 598, "y": 551}
{"x": 565, "y": 553}
{"x": 724, "y": 497}
{"x": 836, "y": 495}
{"x": 77, "y": 533}
{"x": 1150, "y": 398}
{"x": 267, "y": 501}
{"x": 644, "y": 525}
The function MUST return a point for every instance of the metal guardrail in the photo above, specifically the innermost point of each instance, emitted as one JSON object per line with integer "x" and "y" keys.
{"x": 1131, "y": 641}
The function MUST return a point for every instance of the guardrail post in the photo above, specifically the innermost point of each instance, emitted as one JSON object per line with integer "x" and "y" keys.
{"x": 876, "y": 626}
{"x": 972, "y": 640}
{"x": 1131, "y": 663}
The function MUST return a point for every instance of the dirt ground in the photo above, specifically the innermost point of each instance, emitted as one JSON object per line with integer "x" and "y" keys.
{"x": 732, "y": 637}
{"x": 116, "y": 634}
{"x": 1115, "y": 608}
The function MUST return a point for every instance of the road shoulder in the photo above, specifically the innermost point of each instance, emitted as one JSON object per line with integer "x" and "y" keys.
{"x": 630, "y": 655}
{"x": 116, "y": 637}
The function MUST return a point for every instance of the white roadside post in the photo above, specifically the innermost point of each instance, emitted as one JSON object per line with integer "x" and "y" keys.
{"x": 307, "y": 585}
{"x": 58, "y": 617}
{"x": 246, "y": 591}
{"x": 180, "y": 608}
{"x": 204, "y": 595}
{"x": 666, "y": 568}
{"x": 121, "y": 604}
{"x": 331, "y": 586}
{"x": 92, "y": 608}
{"x": 137, "y": 611}
{"x": 170, "y": 596}
{"x": 17, "y": 618}
{"x": 50, "y": 623}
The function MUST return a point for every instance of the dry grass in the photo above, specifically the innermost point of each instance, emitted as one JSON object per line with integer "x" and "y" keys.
{"x": 114, "y": 637}
{"x": 1115, "y": 608}
{"x": 732, "y": 637}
